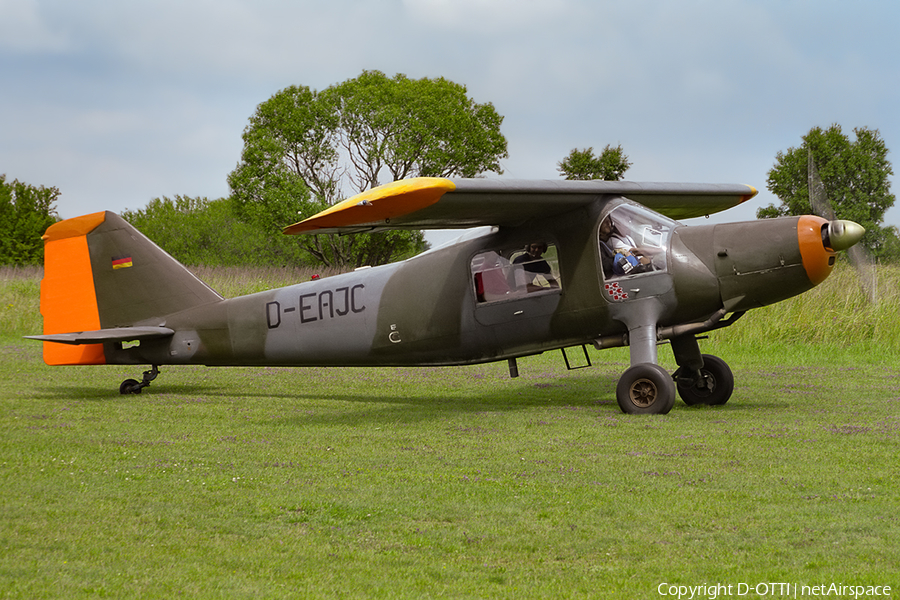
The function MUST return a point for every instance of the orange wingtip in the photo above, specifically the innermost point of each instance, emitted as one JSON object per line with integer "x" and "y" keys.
{"x": 378, "y": 205}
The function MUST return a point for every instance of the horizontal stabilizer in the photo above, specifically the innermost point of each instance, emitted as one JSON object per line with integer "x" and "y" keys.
{"x": 115, "y": 334}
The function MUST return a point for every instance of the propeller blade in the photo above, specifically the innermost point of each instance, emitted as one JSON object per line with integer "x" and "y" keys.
{"x": 865, "y": 270}
{"x": 818, "y": 200}
{"x": 841, "y": 235}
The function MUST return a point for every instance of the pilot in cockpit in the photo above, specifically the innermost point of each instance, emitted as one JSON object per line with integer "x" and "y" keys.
{"x": 619, "y": 253}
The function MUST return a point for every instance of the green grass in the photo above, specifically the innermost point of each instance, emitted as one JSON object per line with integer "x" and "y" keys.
{"x": 454, "y": 482}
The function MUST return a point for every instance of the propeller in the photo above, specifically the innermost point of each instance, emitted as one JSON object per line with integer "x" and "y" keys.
{"x": 839, "y": 234}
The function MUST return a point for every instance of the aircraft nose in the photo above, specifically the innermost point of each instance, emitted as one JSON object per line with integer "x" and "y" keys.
{"x": 841, "y": 235}
{"x": 820, "y": 240}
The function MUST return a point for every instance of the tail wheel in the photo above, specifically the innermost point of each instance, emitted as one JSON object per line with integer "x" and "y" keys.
{"x": 715, "y": 387}
{"x": 130, "y": 386}
{"x": 133, "y": 386}
{"x": 645, "y": 389}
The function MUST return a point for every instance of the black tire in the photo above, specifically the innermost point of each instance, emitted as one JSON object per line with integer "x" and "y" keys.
{"x": 645, "y": 389}
{"x": 130, "y": 386}
{"x": 720, "y": 382}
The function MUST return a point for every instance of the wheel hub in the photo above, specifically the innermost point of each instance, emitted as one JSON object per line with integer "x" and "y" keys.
{"x": 643, "y": 393}
{"x": 707, "y": 385}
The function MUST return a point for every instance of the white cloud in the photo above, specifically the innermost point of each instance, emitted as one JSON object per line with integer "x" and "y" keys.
{"x": 155, "y": 95}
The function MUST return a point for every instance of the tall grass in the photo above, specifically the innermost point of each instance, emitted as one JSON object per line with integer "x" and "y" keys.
{"x": 238, "y": 281}
{"x": 834, "y": 314}
{"x": 20, "y": 289}
{"x": 20, "y": 293}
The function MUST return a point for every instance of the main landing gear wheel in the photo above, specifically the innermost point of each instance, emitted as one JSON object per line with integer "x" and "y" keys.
{"x": 645, "y": 389}
{"x": 715, "y": 387}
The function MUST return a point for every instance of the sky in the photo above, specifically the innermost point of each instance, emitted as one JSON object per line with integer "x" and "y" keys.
{"x": 117, "y": 103}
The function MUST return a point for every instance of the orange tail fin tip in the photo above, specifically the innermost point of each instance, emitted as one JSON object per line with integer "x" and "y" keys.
{"x": 68, "y": 297}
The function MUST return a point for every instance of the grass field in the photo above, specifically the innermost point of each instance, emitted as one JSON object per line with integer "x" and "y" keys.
{"x": 456, "y": 482}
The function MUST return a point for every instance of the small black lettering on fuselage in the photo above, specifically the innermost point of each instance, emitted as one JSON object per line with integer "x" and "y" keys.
{"x": 318, "y": 306}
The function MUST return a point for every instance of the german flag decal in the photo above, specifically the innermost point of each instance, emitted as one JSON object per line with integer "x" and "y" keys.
{"x": 121, "y": 262}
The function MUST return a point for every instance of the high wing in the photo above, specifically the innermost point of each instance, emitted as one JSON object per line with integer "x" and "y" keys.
{"x": 439, "y": 203}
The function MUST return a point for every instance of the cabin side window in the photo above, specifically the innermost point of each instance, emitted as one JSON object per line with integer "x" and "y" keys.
{"x": 505, "y": 275}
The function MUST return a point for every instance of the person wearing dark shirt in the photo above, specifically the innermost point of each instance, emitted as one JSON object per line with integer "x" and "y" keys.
{"x": 534, "y": 264}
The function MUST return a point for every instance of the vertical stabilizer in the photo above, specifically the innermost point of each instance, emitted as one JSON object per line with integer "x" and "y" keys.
{"x": 100, "y": 273}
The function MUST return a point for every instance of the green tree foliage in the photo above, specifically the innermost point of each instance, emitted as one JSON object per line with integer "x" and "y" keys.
{"x": 305, "y": 150}
{"x": 583, "y": 164}
{"x": 855, "y": 176}
{"x": 198, "y": 231}
{"x": 26, "y": 212}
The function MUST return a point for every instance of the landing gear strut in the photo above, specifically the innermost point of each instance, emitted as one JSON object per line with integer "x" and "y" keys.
{"x": 645, "y": 388}
{"x": 133, "y": 386}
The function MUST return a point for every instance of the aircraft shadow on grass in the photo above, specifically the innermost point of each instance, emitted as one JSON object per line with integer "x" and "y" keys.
{"x": 305, "y": 408}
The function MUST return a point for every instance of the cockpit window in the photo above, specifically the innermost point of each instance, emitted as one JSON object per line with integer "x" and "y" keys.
{"x": 504, "y": 275}
{"x": 633, "y": 242}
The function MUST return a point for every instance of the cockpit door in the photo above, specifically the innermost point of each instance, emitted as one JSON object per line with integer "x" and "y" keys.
{"x": 633, "y": 244}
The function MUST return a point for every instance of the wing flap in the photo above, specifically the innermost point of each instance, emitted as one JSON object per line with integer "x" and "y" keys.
{"x": 437, "y": 203}
{"x": 113, "y": 334}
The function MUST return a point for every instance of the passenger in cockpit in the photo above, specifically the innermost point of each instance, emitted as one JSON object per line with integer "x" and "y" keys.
{"x": 534, "y": 264}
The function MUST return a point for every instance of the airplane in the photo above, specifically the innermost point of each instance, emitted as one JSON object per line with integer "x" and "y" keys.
{"x": 549, "y": 265}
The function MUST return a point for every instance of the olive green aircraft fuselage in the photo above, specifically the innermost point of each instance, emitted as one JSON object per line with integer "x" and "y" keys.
{"x": 554, "y": 282}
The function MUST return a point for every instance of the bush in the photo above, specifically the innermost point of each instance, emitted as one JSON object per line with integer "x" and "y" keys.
{"x": 26, "y": 212}
{"x": 198, "y": 231}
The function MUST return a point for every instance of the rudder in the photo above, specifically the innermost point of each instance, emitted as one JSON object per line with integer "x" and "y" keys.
{"x": 68, "y": 299}
{"x": 99, "y": 273}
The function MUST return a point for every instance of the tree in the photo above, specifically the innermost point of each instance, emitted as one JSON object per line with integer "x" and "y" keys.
{"x": 855, "y": 177}
{"x": 582, "y": 164}
{"x": 26, "y": 212}
{"x": 306, "y": 150}
{"x": 199, "y": 231}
